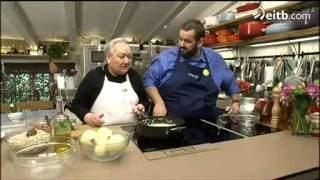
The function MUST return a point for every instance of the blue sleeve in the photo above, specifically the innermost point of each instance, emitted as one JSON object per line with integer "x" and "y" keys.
{"x": 152, "y": 76}
{"x": 229, "y": 82}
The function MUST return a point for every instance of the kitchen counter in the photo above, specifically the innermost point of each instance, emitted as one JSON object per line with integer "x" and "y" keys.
{"x": 261, "y": 157}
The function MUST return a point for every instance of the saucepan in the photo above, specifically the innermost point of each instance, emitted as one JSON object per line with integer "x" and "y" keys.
{"x": 162, "y": 127}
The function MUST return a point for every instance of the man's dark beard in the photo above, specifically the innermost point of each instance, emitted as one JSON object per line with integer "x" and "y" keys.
{"x": 190, "y": 53}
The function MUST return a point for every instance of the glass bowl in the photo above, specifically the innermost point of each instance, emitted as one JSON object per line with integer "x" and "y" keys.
{"x": 244, "y": 120}
{"x": 44, "y": 160}
{"x": 15, "y": 117}
{"x": 107, "y": 150}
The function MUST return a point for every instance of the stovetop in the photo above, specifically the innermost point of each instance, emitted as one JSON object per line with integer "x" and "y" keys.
{"x": 203, "y": 132}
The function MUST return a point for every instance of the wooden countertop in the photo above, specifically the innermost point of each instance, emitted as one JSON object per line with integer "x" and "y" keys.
{"x": 261, "y": 157}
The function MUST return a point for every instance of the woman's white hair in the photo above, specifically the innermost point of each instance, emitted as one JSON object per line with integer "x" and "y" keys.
{"x": 112, "y": 43}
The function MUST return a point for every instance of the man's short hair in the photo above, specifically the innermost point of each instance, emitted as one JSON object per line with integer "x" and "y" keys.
{"x": 112, "y": 43}
{"x": 196, "y": 25}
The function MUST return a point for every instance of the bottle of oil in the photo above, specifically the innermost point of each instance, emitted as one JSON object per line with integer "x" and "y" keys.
{"x": 61, "y": 127}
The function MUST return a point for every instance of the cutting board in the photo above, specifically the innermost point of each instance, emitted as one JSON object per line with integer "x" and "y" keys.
{"x": 77, "y": 133}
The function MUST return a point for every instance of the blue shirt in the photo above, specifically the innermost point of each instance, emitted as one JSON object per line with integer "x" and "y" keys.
{"x": 162, "y": 67}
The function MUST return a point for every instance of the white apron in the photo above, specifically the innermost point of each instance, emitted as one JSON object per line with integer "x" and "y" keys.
{"x": 116, "y": 101}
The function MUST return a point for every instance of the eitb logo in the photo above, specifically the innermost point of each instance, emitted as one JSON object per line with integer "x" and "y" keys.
{"x": 279, "y": 15}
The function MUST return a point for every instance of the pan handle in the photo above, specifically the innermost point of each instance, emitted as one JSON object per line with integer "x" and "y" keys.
{"x": 177, "y": 128}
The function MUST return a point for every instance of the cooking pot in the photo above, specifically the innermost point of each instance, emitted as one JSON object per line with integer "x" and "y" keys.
{"x": 306, "y": 22}
{"x": 279, "y": 27}
{"x": 248, "y": 7}
{"x": 252, "y": 28}
{"x": 209, "y": 39}
{"x": 226, "y": 16}
{"x": 164, "y": 127}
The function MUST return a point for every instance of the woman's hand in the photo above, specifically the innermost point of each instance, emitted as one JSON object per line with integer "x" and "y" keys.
{"x": 159, "y": 109}
{"x": 94, "y": 119}
{"x": 138, "y": 109}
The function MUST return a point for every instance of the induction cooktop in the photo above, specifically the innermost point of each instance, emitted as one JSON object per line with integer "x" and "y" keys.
{"x": 203, "y": 132}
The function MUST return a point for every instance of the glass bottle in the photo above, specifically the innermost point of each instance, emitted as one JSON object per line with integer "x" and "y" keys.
{"x": 61, "y": 126}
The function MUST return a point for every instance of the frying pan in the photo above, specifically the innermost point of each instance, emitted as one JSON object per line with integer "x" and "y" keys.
{"x": 161, "y": 127}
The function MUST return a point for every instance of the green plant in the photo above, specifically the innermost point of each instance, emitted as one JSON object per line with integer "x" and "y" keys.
{"x": 55, "y": 51}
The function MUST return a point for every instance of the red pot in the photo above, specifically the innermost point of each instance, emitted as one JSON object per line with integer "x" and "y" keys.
{"x": 252, "y": 29}
{"x": 210, "y": 39}
{"x": 224, "y": 32}
{"x": 233, "y": 37}
{"x": 248, "y": 7}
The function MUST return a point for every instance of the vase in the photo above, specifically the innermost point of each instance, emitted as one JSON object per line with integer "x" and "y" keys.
{"x": 300, "y": 124}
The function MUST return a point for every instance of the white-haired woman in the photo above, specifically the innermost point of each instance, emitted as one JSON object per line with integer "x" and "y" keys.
{"x": 112, "y": 94}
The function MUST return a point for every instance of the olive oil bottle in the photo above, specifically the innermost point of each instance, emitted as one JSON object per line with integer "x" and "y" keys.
{"x": 61, "y": 127}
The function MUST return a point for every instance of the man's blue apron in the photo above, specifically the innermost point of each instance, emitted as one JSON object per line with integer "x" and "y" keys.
{"x": 190, "y": 92}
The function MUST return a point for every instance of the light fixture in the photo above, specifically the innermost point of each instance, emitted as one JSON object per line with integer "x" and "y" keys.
{"x": 285, "y": 42}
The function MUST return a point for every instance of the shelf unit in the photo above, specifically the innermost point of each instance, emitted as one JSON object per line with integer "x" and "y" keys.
{"x": 267, "y": 38}
{"x": 273, "y": 37}
{"x": 20, "y": 58}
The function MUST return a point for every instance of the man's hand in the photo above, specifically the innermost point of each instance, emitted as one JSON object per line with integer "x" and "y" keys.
{"x": 235, "y": 108}
{"x": 159, "y": 109}
{"x": 94, "y": 119}
{"x": 138, "y": 109}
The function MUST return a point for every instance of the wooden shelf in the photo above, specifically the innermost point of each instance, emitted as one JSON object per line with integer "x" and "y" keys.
{"x": 273, "y": 37}
{"x": 30, "y": 58}
{"x": 235, "y": 22}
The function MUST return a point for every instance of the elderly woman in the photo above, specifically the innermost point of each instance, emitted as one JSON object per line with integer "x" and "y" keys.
{"x": 111, "y": 94}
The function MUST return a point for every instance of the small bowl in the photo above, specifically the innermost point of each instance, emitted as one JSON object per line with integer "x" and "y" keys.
{"x": 111, "y": 151}
{"x": 44, "y": 160}
{"x": 15, "y": 117}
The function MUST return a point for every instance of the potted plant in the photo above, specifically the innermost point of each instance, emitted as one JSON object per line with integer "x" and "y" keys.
{"x": 55, "y": 51}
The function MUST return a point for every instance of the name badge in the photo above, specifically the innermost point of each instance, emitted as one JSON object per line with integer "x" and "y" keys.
{"x": 205, "y": 72}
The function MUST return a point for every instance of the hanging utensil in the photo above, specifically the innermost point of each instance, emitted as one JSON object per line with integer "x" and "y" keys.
{"x": 309, "y": 79}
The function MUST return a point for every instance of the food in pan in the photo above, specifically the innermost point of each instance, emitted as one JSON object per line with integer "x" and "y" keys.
{"x": 159, "y": 122}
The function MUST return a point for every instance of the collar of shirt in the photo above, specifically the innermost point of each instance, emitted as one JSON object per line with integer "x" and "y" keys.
{"x": 118, "y": 79}
{"x": 201, "y": 59}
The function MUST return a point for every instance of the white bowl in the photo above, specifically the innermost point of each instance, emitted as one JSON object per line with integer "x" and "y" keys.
{"x": 14, "y": 117}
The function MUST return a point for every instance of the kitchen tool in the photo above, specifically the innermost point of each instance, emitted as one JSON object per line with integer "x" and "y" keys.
{"x": 279, "y": 27}
{"x": 160, "y": 127}
{"x": 309, "y": 79}
{"x": 111, "y": 150}
{"x": 226, "y": 16}
{"x": 248, "y": 7}
{"x": 45, "y": 164}
{"x": 252, "y": 29}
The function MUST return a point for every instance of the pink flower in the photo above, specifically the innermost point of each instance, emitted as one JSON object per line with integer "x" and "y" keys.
{"x": 314, "y": 91}
{"x": 287, "y": 91}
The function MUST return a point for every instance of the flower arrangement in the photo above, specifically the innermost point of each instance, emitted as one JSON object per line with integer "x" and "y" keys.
{"x": 244, "y": 86}
{"x": 301, "y": 97}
